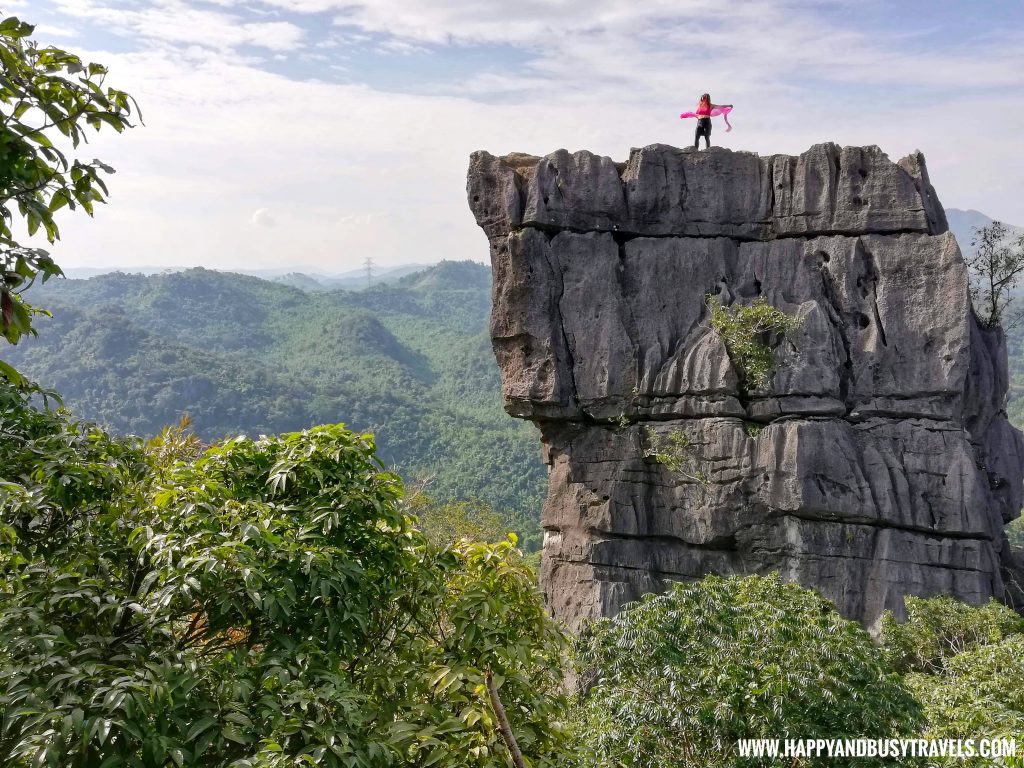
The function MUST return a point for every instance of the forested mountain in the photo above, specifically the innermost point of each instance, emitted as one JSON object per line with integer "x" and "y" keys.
{"x": 352, "y": 279}
{"x": 410, "y": 361}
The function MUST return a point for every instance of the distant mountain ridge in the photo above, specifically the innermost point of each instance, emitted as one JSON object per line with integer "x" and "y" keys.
{"x": 353, "y": 278}
{"x": 964, "y": 223}
{"x": 410, "y": 361}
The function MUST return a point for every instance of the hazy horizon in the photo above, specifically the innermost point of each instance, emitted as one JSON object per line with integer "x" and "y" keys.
{"x": 86, "y": 271}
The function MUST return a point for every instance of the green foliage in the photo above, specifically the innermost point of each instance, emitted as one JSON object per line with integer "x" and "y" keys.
{"x": 43, "y": 90}
{"x": 994, "y": 266}
{"x": 676, "y": 679}
{"x": 446, "y": 523}
{"x": 746, "y": 332}
{"x": 411, "y": 363}
{"x": 752, "y": 428}
{"x": 1015, "y": 402}
{"x": 939, "y": 628}
{"x": 675, "y": 451}
{"x": 979, "y": 694}
{"x": 491, "y": 615}
{"x": 964, "y": 664}
{"x": 1015, "y": 534}
{"x": 255, "y": 603}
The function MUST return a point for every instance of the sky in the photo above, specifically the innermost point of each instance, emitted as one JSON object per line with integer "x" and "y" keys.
{"x": 312, "y": 134}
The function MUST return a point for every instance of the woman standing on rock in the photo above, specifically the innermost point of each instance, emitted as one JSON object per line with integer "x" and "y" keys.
{"x": 705, "y": 111}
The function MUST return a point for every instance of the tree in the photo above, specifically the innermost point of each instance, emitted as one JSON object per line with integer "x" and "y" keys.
{"x": 1015, "y": 530}
{"x": 938, "y": 628}
{"x": 252, "y": 603}
{"x": 994, "y": 269}
{"x": 677, "y": 679}
{"x": 675, "y": 451}
{"x": 44, "y": 90}
{"x": 979, "y": 695}
{"x": 963, "y": 663}
{"x": 445, "y": 523}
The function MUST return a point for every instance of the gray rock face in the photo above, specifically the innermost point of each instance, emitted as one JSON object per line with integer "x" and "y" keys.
{"x": 878, "y": 463}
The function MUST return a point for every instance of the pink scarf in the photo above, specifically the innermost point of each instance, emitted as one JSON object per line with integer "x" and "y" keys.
{"x": 723, "y": 111}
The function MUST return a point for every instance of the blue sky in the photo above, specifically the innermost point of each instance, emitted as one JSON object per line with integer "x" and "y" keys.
{"x": 314, "y": 133}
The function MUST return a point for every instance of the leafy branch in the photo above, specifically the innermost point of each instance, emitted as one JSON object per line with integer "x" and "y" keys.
{"x": 42, "y": 90}
{"x": 675, "y": 451}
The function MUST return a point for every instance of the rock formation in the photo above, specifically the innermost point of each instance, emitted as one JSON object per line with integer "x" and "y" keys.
{"x": 878, "y": 463}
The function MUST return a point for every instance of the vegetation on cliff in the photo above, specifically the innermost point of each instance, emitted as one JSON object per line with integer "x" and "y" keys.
{"x": 744, "y": 330}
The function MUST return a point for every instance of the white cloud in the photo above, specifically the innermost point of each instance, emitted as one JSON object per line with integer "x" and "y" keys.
{"x": 401, "y": 46}
{"x": 262, "y": 218}
{"x": 225, "y": 139}
{"x": 298, "y": 6}
{"x": 44, "y": 31}
{"x": 755, "y": 40}
{"x": 177, "y": 22}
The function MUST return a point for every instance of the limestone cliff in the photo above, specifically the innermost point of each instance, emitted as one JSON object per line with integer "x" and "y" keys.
{"x": 885, "y": 466}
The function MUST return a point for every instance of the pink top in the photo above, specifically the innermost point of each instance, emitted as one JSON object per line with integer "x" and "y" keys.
{"x": 712, "y": 112}
{"x": 704, "y": 109}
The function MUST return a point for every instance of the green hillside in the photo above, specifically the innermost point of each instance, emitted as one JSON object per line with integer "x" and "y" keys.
{"x": 410, "y": 361}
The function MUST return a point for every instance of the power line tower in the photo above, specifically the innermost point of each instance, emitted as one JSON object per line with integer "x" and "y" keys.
{"x": 368, "y": 266}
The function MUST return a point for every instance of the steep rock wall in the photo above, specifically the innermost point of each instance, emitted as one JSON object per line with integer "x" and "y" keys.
{"x": 878, "y": 463}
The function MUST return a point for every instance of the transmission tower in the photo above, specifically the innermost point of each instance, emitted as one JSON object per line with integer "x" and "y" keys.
{"x": 368, "y": 265}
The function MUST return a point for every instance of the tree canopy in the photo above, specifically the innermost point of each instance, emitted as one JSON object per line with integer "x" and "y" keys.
{"x": 254, "y": 603}
{"x": 270, "y": 602}
{"x": 964, "y": 664}
{"x": 677, "y": 679}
